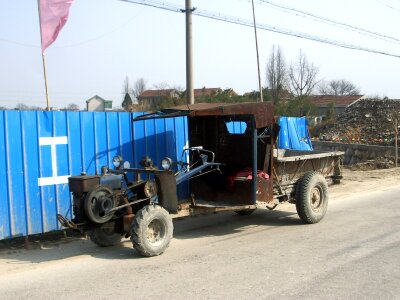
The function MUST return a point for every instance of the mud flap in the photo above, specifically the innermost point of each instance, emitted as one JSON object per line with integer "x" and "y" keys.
{"x": 167, "y": 191}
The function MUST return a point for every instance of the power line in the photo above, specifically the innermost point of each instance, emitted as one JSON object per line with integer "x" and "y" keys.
{"x": 234, "y": 20}
{"x": 247, "y": 23}
{"x": 157, "y": 4}
{"x": 297, "y": 34}
{"x": 387, "y": 5}
{"x": 330, "y": 21}
{"x": 76, "y": 44}
{"x": 18, "y": 43}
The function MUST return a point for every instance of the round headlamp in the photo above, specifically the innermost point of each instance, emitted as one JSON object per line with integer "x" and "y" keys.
{"x": 166, "y": 163}
{"x": 150, "y": 188}
{"x": 117, "y": 161}
{"x": 146, "y": 162}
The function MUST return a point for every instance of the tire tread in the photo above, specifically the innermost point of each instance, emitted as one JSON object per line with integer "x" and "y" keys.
{"x": 103, "y": 240}
{"x": 302, "y": 193}
{"x": 136, "y": 235}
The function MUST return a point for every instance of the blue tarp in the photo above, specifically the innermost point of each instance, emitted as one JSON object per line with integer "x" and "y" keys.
{"x": 294, "y": 134}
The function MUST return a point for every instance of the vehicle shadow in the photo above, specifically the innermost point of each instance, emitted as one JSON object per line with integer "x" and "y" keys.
{"x": 221, "y": 224}
{"x": 229, "y": 223}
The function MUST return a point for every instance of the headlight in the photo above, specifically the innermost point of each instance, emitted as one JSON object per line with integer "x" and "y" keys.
{"x": 117, "y": 160}
{"x": 146, "y": 162}
{"x": 150, "y": 189}
{"x": 166, "y": 163}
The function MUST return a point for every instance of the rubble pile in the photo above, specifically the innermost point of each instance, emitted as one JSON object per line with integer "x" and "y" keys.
{"x": 378, "y": 163}
{"x": 368, "y": 121}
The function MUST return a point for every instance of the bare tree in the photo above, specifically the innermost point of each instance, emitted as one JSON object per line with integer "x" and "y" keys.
{"x": 341, "y": 87}
{"x": 72, "y": 107}
{"x": 22, "y": 106}
{"x": 3, "y": 108}
{"x": 393, "y": 118}
{"x": 126, "y": 87}
{"x": 139, "y": 87}
{"x": 276, "y": 73}
{"x": 302, "y": 76}
{"x": 161, "y": 86}
{"x": 323, "y": 88}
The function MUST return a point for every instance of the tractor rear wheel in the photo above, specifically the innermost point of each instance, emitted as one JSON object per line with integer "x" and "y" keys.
{"x": 312, "y": 197}
{"x": 245, "y": 212}
{"x": 105, "y": 236}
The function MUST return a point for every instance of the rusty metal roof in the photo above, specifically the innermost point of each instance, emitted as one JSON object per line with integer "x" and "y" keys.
{"x": 338, "y": 101}
{"x": 157, "y": 93}
{"x": 263, "y": 112}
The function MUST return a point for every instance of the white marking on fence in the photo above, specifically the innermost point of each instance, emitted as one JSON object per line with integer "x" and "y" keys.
{"x": 53, "y": 142}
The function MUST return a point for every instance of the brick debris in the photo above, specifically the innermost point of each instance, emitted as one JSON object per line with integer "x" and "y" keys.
{"x": 367, "y": 121}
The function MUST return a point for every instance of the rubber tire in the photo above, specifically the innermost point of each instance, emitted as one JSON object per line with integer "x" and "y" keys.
{"x": 103, "y": 238}
{"x": 142, "y": 220}
{"x": 246, "y": 212}
{"x": 310, "y": 181}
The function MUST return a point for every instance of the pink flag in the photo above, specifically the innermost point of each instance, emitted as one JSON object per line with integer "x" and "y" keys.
{"x": 53, "y": 15}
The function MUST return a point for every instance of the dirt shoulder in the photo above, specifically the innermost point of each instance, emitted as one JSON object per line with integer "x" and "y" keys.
{"x": 364, "y": 181}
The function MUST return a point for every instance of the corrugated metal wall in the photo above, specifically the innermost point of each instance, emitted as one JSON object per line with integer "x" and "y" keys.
{"x": 40, "y": 150}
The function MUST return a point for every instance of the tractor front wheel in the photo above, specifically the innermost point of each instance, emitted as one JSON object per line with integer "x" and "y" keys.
{"x": 151, "y": 230}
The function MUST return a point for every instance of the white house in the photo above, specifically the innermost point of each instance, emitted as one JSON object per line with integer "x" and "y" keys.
{"x": 97, "y": 103}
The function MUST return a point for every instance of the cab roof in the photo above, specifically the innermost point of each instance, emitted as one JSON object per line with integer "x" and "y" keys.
{"x": 263, "y": 112}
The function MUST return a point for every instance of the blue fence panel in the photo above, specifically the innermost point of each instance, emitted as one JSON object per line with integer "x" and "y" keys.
{"x": 40, "y": 150}
{"x": 158, "y": 138}
{"x": 75, "y": 143}
{"x": 15, "y": 169}
{"x": 125, "y": 137}
{"x": 4, "y": 203}
{"x": 31, "y": 171}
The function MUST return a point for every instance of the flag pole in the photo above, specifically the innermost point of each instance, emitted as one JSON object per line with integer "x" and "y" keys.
{"x": 45, "y": 82}
{"x": 44, "y": 63}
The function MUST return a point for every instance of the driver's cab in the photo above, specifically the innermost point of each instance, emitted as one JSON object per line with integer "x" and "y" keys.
{"x": 239, "y": 139}
{"x": 232, "y": 139}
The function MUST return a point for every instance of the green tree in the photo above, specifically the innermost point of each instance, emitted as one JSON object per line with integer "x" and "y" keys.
{"x": 127, "y": 103}
{"x": 301, "y": 107}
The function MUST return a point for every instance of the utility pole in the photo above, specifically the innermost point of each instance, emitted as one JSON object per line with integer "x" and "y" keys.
{"x": 258, "y": 58}
{"x": 189, "y": 53}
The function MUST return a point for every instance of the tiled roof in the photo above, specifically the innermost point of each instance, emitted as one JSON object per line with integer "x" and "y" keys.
{"x": 206, "y": 91}
{"x": 339, "y": 101}
{"x": 96, "y": 97}
{"x": 157, "y": 93}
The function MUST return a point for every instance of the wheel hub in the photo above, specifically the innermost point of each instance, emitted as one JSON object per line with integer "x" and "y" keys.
{"x": 316, "y": 199}
{"x": 155, "y": 233}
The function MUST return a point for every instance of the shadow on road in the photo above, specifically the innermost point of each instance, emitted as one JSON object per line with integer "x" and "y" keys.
{"x": 222, "y": 224}
{"x": 231, "y": 223}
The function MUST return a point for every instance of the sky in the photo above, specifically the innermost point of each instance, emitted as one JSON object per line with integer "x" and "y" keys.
{"x": 105, "y": 41}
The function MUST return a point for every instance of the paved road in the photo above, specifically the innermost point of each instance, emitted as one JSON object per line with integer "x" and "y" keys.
{"x": 353, "y": 253}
